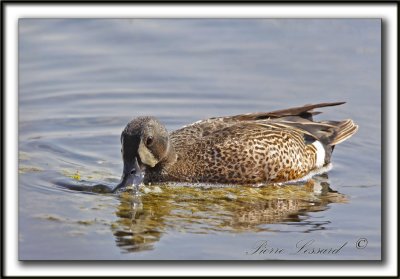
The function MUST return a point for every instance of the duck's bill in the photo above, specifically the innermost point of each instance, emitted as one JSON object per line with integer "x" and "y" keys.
{"x": 132, "y": 175}
{"x": 125, "y": 182}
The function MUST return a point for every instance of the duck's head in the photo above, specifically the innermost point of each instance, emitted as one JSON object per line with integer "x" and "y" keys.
{"x": 144, "y": 143}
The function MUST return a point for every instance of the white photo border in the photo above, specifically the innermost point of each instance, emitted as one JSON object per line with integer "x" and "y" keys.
{"x": 12, "y": 11}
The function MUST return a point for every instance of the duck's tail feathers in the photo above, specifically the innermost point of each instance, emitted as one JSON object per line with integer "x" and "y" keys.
{"x": 343, "y": 130}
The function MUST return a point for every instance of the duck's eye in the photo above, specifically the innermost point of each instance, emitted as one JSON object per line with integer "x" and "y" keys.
{"x": 149, "y": 141}
{"x": 132, "y": 172}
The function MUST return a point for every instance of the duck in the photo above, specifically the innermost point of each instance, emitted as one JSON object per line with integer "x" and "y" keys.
{"x": 246, "y": 149}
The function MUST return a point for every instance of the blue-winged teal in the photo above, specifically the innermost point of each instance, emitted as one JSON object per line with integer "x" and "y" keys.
{"x": 270, "y": 147}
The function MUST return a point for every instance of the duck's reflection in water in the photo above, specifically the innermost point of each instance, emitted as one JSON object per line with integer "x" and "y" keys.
{"x": 143, "y": 219}
{"x": 137, "y": 228}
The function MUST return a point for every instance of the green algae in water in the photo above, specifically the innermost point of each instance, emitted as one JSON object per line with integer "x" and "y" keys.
{"x": 204, "y": 209}
{"x": 27, "y": 169}
{"x": 84, "y": 174}
{"x": 235, "y": 209}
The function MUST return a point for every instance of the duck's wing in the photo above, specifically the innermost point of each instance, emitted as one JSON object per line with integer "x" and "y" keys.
{"x": 298, "y": 116}
{"x": 305, "y": 112}
{"x": 329, "y": 133}
{"x": 301, "y": 119}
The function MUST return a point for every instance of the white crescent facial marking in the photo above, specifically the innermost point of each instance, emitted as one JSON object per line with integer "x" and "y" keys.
{"x": 320, "y": 154}
{"x": 146, "y": 156}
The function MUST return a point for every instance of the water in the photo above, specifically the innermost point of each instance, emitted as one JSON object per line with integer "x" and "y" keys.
{"x": 82, "y": 81}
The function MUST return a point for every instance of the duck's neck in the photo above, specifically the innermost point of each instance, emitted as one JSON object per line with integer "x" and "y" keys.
{"x": 161, "y": 171}
{"x": 170, "y": 159}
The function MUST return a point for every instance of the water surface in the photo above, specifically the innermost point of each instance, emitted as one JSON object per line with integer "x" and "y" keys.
{"x": 82, "y": 81}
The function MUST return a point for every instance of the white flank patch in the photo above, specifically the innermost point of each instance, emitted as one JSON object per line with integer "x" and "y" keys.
{"x": 320, "y": 154}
